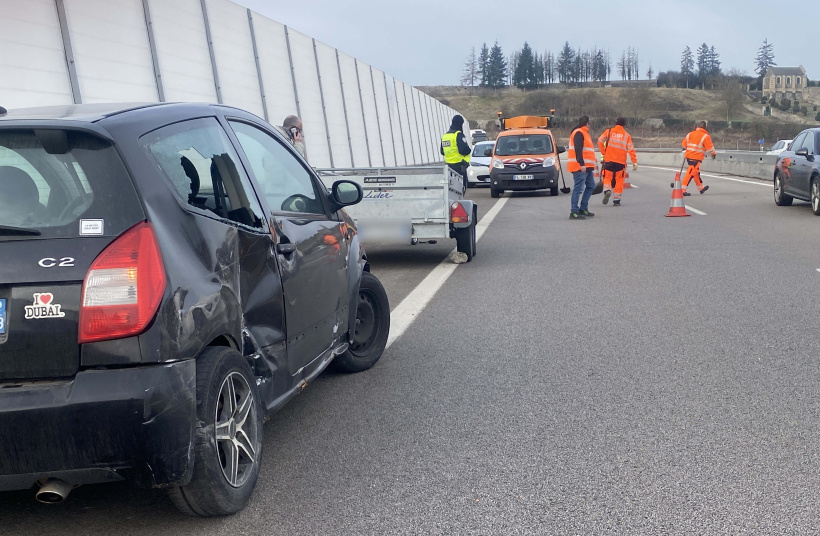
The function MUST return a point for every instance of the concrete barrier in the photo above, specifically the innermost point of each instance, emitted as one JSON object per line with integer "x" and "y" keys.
{"x": 744, "y": 164}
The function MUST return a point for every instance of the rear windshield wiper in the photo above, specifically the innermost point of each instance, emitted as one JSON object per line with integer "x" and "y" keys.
{"x": 6, "y": 230}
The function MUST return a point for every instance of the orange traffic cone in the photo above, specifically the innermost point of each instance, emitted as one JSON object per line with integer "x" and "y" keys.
{"x": 627, "y": 184}
{"x": 677, "y": 208}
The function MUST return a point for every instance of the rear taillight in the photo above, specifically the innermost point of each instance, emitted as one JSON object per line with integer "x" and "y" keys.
{"x": 123, "y": 287}
{"x": 458, "y": 214}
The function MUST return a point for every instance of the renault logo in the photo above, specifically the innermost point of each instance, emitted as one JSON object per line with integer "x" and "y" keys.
{"x": 523, "y": 166}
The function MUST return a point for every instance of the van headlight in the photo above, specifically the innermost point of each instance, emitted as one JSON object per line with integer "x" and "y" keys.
{"x": 497, "y": 163}
{"x": 548, "y": 161}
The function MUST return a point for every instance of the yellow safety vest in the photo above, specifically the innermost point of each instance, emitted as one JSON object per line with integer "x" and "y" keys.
{"x": 450, "y": 145}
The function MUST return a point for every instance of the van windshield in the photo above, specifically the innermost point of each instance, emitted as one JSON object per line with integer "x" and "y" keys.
{"x": 49, "y": 193}
{"x": 523, "y": 145}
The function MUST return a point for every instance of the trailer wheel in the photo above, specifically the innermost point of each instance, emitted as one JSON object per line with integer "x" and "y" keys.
{"x": 465, "y": 241}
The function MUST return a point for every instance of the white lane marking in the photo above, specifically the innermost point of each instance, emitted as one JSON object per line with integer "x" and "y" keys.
{"x": 410, "y": 307}
{"x": 718, "y": 177}
{"x": 696, "y": 211}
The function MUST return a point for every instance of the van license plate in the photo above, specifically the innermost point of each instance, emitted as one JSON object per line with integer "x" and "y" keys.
{"x": 522, "y": 177}
{"x": 2, "y": 317}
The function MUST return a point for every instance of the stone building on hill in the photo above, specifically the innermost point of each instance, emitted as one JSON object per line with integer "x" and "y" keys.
{"x": 788, "y": 82}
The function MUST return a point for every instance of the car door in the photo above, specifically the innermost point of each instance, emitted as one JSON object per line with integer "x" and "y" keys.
{"x": 312, "y": 244}
{"x": 803, "y": 164}
{"x": 234, "y": 247}
{"x": 788, "y": 163}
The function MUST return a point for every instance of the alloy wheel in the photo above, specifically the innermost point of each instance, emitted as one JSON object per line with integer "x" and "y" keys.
{"x": 234, "y": 429}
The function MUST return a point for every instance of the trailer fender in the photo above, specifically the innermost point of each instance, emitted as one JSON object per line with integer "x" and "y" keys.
{"x": 471, "y": 209}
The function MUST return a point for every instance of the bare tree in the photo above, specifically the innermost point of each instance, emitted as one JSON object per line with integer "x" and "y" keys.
{"x": 731, "y": 93}
{"x": 471, "y": 71}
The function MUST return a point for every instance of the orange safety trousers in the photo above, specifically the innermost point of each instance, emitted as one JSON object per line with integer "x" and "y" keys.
{"x": 692, "y": 172}
{"x": 607, "y": 175}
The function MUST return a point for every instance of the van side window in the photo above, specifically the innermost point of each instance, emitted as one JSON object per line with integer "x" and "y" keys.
{"x": 284, "y": 181}
{"x": 200, "y": 164}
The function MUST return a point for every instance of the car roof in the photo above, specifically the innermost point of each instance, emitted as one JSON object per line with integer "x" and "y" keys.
{"x": 74, "y": 112}
{"x": 486, "y": 142}
{"x": 89, "y": 113}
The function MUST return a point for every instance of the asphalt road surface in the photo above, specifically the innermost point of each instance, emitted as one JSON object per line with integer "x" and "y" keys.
{"x": 628, "y": 374}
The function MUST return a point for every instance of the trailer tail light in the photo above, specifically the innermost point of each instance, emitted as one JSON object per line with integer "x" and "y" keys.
{"x": 458, "y": 214}
{"x": 123, "y": 287}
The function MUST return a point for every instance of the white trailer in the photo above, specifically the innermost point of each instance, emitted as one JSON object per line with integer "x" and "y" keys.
{"x": 409, "y": 205}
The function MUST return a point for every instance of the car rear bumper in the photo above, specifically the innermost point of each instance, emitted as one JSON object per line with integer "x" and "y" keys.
{"x": 102, "y": 425}
{"x": 548, "y": 178}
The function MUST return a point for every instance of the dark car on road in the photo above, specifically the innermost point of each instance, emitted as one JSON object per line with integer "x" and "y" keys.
{"x": 797, "y": 171}
{"x": 170, "y": 274}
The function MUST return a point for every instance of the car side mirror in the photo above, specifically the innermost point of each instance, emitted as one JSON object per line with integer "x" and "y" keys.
{"x": 488, "y": 152}
{"x": 803, "y": 152}
{"x": 561, "y": 149}
{"x": 345, "y": 193}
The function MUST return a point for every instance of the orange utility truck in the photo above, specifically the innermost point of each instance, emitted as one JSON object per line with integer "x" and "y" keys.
{"x": 525, "y": 156}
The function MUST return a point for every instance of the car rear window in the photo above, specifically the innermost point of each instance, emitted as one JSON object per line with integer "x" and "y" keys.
{"x": 84, "y": 190}
{"x": 523, "y": 144}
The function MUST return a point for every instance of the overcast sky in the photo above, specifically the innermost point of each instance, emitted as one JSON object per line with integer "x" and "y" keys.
{"x": 427, "y": 42}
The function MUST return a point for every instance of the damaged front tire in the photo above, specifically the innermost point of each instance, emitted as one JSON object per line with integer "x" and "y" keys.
{"x": 371, "y": 329}
{"x": 228, "y": 447}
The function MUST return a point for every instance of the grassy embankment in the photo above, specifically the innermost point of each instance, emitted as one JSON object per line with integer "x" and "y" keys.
{"x": 678, "y": 108}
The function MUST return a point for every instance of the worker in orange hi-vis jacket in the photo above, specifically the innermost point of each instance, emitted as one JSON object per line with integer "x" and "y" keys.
{"x": 696, "y": 144}
{"x": 615, "y": 143}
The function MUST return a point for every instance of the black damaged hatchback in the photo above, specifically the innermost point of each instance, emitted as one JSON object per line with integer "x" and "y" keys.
{"x": 170, "y": 274}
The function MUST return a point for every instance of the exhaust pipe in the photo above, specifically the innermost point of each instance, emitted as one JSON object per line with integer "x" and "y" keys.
{"x": 53, "y": 491}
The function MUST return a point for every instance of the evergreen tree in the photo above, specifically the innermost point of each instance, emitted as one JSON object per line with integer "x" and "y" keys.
{"x": 714, "y": 62}
{"x": 497, "y": 68}
{"x": 703, "y": 63}
{"x": 549, "y": 68}
{"x": 764, "y": 60}
{"x": 687, "y": 64}
{"x": 577, "y": 66}
{"x": 599, "y": 67}
{"x": 650, "y": 72}
{"x": 565, "y": 61}
{"x": 484, "y": 65}
{"x": 538, "y": 66}
{"x": 524, "y": 70}
{"x": 471, "y": 72}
